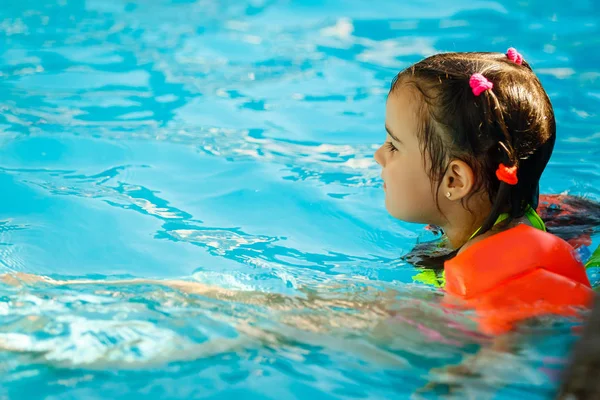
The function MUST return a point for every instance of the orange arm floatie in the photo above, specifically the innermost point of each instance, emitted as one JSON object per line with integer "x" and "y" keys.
{"x": 517, "y": 274}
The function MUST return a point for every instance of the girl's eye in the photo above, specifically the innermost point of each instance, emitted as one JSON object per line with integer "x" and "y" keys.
{"x": 391, "y": 147}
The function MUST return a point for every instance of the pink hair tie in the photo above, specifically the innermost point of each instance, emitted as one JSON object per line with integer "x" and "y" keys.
{"x": 514, "y": 56}
{"x": 480, "y": 84}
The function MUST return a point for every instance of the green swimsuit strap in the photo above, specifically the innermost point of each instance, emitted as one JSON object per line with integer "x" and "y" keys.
{"x": 594, "y": 260}
{"x": 534, "y": 219}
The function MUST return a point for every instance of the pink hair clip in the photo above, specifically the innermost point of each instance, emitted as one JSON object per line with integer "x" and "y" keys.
{"x": 479, "y": 84}
{"x": 514, "y": 56}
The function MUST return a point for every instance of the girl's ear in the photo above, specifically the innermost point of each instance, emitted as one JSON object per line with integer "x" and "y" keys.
{"x": 458, "y": 181}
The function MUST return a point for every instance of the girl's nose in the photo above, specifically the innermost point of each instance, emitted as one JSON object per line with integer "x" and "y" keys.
{"x": 378, "y": 156}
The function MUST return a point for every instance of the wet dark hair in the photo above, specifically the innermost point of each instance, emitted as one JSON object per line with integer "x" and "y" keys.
{"x": 580, "y": 379}
{"x": 513, "y": 124}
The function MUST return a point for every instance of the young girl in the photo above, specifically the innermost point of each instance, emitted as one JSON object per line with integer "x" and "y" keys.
{"x": 468, "y": 137}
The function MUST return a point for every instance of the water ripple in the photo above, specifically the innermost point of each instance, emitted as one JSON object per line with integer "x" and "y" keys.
{"x": 230, "y": 144}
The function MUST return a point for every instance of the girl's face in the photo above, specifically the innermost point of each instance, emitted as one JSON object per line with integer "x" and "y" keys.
{"x": 409, "y": 195}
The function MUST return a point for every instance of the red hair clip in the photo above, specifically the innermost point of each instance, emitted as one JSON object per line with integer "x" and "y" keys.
{"x": 507, "y": 174}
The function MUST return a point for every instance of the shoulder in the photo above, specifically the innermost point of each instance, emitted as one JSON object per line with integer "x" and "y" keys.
{"x": 495, "y": 230}
{"x": 510, "y": 253}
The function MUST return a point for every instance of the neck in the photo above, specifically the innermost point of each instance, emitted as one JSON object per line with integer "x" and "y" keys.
{"x": 458, "y": 234}
{"x": 461, "y": 223}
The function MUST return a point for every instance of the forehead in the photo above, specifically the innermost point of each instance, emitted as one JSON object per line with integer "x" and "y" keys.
{"x": 402, "y": 114}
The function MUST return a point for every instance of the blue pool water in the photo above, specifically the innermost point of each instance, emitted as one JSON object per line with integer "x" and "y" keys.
{"x": 149, "y": 144}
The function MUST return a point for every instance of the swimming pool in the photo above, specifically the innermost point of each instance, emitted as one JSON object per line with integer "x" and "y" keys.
{"x": 230, "y": 143}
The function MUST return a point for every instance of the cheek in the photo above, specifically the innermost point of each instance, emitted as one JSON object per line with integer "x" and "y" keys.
{"x": 402, "y": 171}
{"x": 400, "y": 187}
{"x": 408, "y": 183}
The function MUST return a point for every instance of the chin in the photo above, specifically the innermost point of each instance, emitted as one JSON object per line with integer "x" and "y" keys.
{"x": 406, "y": 216}
{"x": 398, "y": 214}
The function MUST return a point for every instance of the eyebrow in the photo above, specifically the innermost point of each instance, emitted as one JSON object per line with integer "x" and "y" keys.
{"x": 392, "y": 135}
